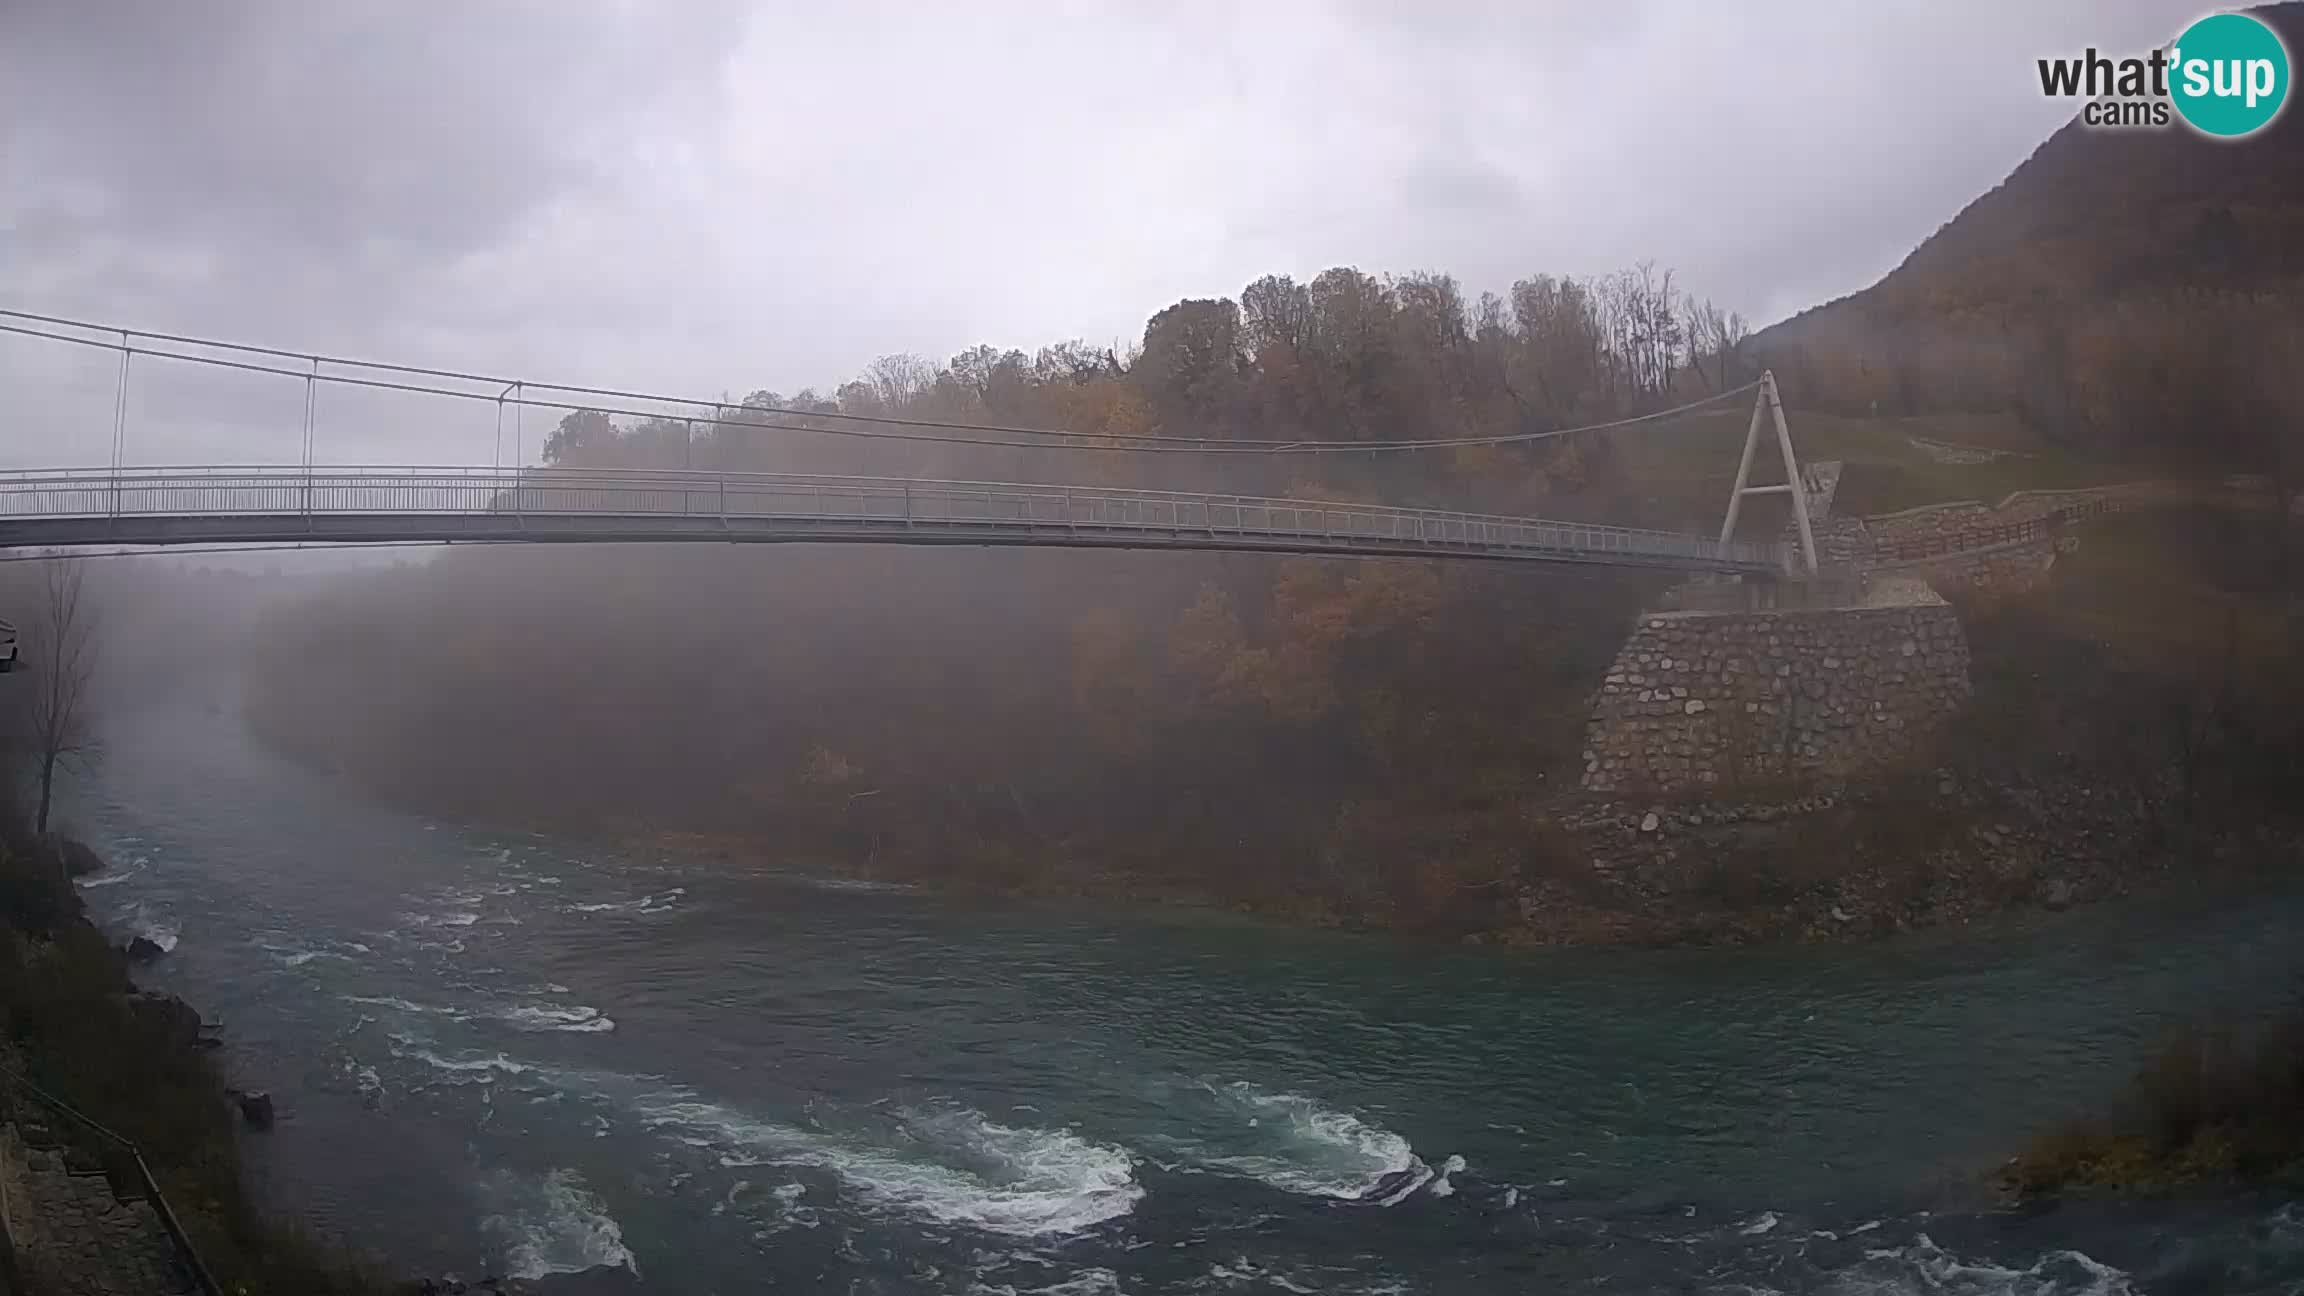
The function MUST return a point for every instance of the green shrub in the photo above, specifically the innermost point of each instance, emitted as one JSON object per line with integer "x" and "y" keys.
{"x": 2206, "y": 1105}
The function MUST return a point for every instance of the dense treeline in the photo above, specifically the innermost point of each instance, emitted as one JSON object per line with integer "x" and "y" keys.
{"x": 1298, "y": 732}
{"x": 1348, "y": 357}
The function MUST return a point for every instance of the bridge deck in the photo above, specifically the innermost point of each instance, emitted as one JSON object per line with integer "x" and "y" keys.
{"x": 160, "y": 506}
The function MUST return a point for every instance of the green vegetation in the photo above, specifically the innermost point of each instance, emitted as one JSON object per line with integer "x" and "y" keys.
{"x": 71, "y": 1020}
{"x": 1676, "y": 476}
{"x": 2208, "y": 1107}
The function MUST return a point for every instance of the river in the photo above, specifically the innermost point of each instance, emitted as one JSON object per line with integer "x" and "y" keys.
{"x": 511, "y": 1054}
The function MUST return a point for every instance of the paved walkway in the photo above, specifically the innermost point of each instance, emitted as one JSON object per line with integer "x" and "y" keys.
{"x": 72, "y": 1236}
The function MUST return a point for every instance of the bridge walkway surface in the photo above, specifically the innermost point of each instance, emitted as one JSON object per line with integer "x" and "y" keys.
{"x": 163, "y": 506}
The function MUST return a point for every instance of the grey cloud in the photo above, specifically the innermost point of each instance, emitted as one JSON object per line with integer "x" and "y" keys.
{"x": 351, "y": 139}
{"x": 719, "y": 196}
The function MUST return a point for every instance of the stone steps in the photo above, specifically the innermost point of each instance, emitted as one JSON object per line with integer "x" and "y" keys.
{"x": 76, "y": 1235}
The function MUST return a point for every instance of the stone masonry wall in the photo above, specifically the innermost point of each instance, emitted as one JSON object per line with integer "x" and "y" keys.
{"x": 2014, "y": 568}
{"x": 1695, "y": 700}
{"x": 1917, "y": 535}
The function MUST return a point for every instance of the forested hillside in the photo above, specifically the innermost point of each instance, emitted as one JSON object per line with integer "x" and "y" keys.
{"x": 1283, "y": 731}
{"x": 2128, "y": 292}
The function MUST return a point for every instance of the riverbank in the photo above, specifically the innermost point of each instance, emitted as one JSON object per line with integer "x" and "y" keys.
{"x": 1847, "y": 864}
{"x": 74, "y": 1024}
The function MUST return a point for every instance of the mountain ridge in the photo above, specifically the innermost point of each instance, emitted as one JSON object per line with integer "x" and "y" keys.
{"x": 2106, "y": 256}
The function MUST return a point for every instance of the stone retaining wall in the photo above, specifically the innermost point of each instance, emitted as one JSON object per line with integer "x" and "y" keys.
{"x": 1947, "y": 452}
{"x": 1697, "y": 700}
{"x": 2013, "y": 568}
{"x": 1918, "y": 536}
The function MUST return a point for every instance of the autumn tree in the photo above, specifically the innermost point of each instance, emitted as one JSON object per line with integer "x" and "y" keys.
{"x": 1192, "y": 365}
{"x": 582, "y": 437}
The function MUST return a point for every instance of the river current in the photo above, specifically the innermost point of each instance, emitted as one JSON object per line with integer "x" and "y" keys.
{"x": 510, "y": 1054}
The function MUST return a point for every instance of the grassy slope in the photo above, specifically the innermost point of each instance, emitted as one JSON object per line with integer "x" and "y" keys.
{"x": 1678, "y": 472}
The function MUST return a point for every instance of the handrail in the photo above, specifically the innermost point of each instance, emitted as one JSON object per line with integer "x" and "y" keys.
{"x": 673, "y": 477}
{"x": 175, "y": 1228}
{"x": 832, "y": 507}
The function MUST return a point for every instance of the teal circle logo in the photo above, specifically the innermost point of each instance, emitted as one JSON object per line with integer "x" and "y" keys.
{"x": 2228, "y": 75}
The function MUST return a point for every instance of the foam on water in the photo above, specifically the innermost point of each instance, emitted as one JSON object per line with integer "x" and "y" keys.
{"x": 577, "y": 1018}
{"x": 402, "y": 1005}
{"x": 1440, "y": 1185}
{"x": 111, "y": 877}
{"x": 953, "y": 1166}
{"x": 1925, "y": 1269}
{"x": 297, "y": 955}
{"x": 553, "y": 1224}
{"x": 1246, "y": 1273}
{"x": 1301, "y": 1145}
{"x": 141, "y": 921}
{"x": 652, "y": 903}
{"x": 484, "y": 1067}
{"x": 1088, "y": 1282}
{"x": 580, "y": 1018}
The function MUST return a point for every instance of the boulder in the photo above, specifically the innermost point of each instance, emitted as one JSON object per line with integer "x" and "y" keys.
{"x": 255, "y": 1106}
{"x": 175, "y": 1021}
{"x": 79, "y": 859}
{"x": 143, "y": 950}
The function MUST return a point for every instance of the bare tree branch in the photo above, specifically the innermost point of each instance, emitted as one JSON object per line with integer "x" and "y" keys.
{"x": 63, "y": 662}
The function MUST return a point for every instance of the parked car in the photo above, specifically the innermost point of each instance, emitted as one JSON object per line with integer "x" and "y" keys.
{"x": 7, "y": 647}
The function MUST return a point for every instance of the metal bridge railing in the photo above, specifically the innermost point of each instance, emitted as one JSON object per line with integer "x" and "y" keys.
{"x": 877, "y": 502}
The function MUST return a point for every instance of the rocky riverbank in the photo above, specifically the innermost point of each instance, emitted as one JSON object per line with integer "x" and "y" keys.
{"x": 1927, "y": 849}
{"x": 1930, "y": 847}
{"x": 75, "y": 1029}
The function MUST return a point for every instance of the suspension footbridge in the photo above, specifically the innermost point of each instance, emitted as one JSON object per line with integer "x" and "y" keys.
{"x": 172, "y": 506}
{"x": 120, "y": 504}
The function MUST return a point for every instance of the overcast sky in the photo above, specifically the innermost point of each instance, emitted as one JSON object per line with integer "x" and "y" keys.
{"x": 715, "y": 196}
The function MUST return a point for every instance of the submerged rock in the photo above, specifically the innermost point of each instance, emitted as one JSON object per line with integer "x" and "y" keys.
{"x": 255, "y": 1106}
{"x": 143, "y": 950}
